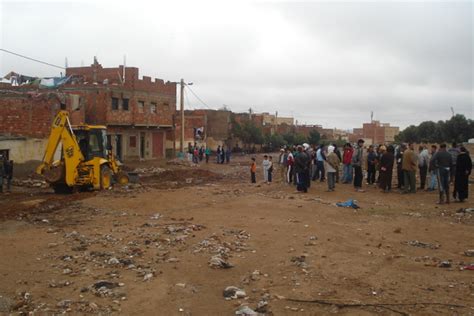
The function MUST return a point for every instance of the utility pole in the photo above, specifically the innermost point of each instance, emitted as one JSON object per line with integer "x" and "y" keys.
{"x": 181, "y": 101}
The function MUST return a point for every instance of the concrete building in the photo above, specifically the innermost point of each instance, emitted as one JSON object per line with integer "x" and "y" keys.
{"x": 375, "y": 133}
{"x": 210, "y": 128}
{"x": 138, "y": 113}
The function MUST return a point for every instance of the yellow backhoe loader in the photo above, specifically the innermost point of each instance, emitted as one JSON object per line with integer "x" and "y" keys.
{"x": 86, "y": 160}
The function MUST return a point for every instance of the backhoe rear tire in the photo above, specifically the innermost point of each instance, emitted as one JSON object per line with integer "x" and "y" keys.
{"x": 105, "y": 177}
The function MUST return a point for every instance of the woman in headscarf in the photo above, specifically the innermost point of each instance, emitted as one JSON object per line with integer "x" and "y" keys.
{"x": 463, "y": 170}
{"x": 386, "y": 167}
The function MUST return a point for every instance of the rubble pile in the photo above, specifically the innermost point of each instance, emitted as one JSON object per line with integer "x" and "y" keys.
{"x": 30, "y": 183}
{"x": 221, "y": 247}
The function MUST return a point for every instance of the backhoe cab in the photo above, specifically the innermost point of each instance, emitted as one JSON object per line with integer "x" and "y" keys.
{"x": 86, "y": 158}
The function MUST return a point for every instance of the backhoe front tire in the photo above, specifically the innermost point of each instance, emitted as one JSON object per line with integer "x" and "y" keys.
{"x": 105, "y": 177}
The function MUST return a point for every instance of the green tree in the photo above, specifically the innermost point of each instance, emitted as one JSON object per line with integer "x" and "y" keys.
{"x": 314, "y": 137}
{"x": 300, "y": 139}
{"x": 458, "y": 129}
{"x": 409, "y": 134}
{"x": 251, "y": 134}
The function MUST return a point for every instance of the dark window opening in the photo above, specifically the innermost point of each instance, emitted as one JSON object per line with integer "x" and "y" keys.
{"x": 125, "y": 104}
{"x": 115, "y": 103}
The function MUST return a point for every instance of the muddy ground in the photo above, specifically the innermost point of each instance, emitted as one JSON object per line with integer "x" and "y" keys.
{"x": 146, "y": 249}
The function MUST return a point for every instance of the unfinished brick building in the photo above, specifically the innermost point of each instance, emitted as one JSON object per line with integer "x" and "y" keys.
{"x": 138, "y": 113}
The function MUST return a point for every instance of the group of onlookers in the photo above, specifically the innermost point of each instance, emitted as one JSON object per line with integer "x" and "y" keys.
{"x": 301, "y": 164}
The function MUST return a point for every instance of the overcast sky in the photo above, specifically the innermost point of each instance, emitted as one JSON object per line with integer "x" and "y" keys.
{"x": 328, "y": 63}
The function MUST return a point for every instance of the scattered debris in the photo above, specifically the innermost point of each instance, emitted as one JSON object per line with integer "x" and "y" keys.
{"x": 469, "y": 253}
{"x": 416, "y": 243}
{"x": 245, "y": 310}
{"x": 299, "y": 261}
{"x": 218, "y": 262}
{"x": 445, "y": 264}
{"x": 349, "y": 203}
{"x": 233, "y": 292}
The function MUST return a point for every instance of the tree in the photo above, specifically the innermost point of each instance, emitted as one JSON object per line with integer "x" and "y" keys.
{"x": 251, "y": 134}
{"x": 409, "y": 134}
{"x": 427, "y": 132}
{"x": 314, "y": 137}
{"x": 457, "y": 129}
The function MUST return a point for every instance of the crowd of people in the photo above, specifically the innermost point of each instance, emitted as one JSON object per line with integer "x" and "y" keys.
{"x": 299, "y": 165}
{"x": 197, "y": 154}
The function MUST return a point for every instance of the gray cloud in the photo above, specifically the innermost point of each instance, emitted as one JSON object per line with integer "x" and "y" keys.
{"x": 327, "y": 63}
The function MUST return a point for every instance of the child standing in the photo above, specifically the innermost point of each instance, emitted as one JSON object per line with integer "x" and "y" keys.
{"x": 253, "y": 170}
{"x": 270, "y": 169}
{"x": 266, "y": 166}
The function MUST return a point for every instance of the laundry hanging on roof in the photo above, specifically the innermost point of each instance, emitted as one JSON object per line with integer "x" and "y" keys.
{"x": 53, "y": 82}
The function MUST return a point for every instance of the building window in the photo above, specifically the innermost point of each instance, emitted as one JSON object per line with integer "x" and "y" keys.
{"x": 133, "y": 141}
{"x": 125, "y": 104}
{"x": 141, "y": 106}
{"x": 153, "y": 108}
{"x": 166, "y": 106}
{"x": 115, "y": 103}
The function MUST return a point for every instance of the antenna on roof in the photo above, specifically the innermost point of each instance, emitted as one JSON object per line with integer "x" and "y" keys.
{"x": 124, "y": 65}
{"x": 371, "y": 116}
{"x": 65, "y": 63}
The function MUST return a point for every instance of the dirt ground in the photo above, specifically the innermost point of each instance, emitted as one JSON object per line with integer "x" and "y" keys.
{"x": 146, "y": 249}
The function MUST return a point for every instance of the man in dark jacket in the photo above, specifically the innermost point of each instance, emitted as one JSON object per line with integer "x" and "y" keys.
{"x": 463, "y": 170}
{"x": 357, "y": 165}
{"x": 443, "y": 161}
{"x": 302, "y": 161}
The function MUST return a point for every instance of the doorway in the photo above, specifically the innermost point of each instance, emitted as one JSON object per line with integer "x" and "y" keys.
{"x": 142, "y": 145}
{"x": 118, "y": 146}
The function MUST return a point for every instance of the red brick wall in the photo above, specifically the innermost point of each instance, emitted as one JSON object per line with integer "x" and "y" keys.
{"x": 30, "y": 115}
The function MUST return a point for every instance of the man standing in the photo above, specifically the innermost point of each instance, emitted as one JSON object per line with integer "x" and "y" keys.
{"x": 357, "y": 165}
{"x": 332, "y": 165}
{"x": 433, "y": 172}
{"x": 302, "y": 161}
{"x": 443, "y": 162}
{"x": 399, "y": 160}
{"x": 346, "y": 160}
{"x": 320, "y": 158}
{"x": 409, "y": 169}
{"x": 371, "y": 159}
{"x": 282, "y": 161}
{"x": 423, "y": 162}
{"x": 454, "y": 152}
{"x": 290, "y": 162}
{"x": 463, "y": 170}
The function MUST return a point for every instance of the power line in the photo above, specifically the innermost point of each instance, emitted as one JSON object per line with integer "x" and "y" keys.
{"x": 187, "y": 100}
{"x": 29, "y": 58}
{"x": 204, "y": 103}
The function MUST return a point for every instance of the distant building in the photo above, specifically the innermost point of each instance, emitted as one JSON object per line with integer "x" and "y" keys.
{"x": 375, "y": 133}
{"x": 138, "y": 113}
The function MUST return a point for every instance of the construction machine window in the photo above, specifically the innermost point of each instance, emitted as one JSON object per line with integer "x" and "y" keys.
{"x": 93, "y": 143}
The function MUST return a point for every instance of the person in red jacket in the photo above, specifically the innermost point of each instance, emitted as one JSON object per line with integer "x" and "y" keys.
{"x": 347, "y": 162}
